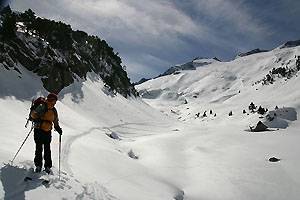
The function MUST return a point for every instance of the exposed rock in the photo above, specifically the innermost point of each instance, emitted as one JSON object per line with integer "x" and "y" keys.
{"x": 274, "y": 159}
{"x": 60, "y": 55}
{"x": 259, "y": 127}
{"x": 179, "y": 196}
{"x": 290, "y": 44}
{"x": 132, "y": 155}
{"x": 113, "y": 135}
{"x": 254, "y": 51}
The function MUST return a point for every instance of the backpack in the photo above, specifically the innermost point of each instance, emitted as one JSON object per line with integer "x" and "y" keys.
{"x": 35, "y": 103}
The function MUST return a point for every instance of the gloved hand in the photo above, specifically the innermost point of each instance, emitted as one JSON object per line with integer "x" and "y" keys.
{"x": 59, "y": 130}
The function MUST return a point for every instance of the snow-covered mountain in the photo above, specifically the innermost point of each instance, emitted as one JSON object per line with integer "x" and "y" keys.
{"x": 253, "y": 78}
{"x": 197, "y": 62}
{"x": 162, "y": 146}
{"x": 254, "y": 51}
{"x": 223, "y": 158}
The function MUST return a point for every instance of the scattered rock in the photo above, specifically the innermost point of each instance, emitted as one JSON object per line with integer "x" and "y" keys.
{"x": 113, "y": 135}
{"x": 132, "y": 155}
{"x": 259, "y": 127}
{"x": 180, "y": 195}
{"x": 273, "y": 159}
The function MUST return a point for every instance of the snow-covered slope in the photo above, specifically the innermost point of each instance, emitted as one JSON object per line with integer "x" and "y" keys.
{"x": 94, "y": 165}
{"x": 226, "y": 160}
{"x": 226, "y": 86}
{"x": 197, "y": 62}
{"x": 117, "y": 148}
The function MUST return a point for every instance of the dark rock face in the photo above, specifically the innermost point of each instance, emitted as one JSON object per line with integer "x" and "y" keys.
{"x": 60, "y": 55}
{"x": 254, "y": 51}
{"x": 197, "y": 62}
{"x": 274, "y": 159}
{"x": 291, "y": 44}
{"x": 259, "y": 127}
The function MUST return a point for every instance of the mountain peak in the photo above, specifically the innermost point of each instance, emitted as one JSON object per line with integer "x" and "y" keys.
{"x": 254, "y": 51}
{"x": 204, "y": 58}
{"x": 290, "y": 44}
{"x": 192, "y": 65}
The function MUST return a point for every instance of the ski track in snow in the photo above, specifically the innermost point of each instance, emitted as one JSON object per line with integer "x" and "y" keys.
{"x": 67, "y": 145}
{"x": 16, "y": 189}
{"x": 93, "y": 191}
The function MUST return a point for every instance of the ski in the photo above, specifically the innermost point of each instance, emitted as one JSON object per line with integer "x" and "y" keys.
{"x": 37, "y": 177}
{"x": 29, "y": 175}
{"x": 45, "y": 182}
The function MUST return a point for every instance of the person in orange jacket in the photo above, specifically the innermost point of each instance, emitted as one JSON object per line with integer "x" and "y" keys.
{"x": 44, "y": 116}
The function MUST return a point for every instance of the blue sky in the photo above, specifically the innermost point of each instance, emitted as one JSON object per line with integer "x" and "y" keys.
{"x": 151, "y": 36}
{"x": 3, "y": 3}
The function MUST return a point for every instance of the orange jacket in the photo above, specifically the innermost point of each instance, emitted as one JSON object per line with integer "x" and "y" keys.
{"x": 48, "y": 116}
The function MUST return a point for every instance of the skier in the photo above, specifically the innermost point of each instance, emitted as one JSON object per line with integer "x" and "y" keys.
{"x": 44, "y": 116}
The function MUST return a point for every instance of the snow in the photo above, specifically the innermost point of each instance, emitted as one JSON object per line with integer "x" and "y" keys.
{"x": 156, "y": 147}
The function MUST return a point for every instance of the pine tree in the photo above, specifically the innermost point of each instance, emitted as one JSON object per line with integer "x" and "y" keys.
{"x": 252, "y": 107}
{"x": 8, "y": 29}
{"x": 28, "y": 17}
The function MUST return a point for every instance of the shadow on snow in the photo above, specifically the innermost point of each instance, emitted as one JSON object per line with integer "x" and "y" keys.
{"x": 14, "y": 186}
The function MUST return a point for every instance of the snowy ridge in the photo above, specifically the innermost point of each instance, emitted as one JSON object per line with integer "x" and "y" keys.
{"x": 117, "y": 148}
{"x": 197, "y": 62}
{"x": 224, "y": 83}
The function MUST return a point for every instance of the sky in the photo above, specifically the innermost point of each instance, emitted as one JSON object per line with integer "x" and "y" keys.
{"x": 151, "y": 36}
{"x": 3, "y": 3}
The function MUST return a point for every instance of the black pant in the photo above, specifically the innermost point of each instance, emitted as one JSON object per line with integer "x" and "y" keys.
{"x": 42, "y": 139}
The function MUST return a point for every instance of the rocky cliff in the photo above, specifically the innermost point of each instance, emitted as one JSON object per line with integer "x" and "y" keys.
{"x": 58, "y": 54}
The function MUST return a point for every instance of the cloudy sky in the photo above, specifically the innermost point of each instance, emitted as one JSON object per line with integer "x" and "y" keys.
{"x": 152, "y": 35}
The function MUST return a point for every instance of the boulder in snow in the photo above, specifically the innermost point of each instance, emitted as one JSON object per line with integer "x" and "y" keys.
{"x": 132, "y": 155}
{"x": 113, "y": 135}
{"x": 274, "y": 159}
{"x": 259, "y": 127}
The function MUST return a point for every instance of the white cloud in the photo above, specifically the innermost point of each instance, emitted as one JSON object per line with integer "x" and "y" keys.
{"x": 134, "y": 28}
{"x": 156, "y": 27}
{"x": 135, "y": 21}
{"x": 234, "y": 14}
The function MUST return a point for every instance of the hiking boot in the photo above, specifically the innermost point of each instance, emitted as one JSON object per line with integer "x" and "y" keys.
{"x": 48, "y": 170}
{"x": 38, "y": 169}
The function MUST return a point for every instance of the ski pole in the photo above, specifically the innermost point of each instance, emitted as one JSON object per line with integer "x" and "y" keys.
{"x": 28, "y": 119}
{"x": 22, "y": 145}
{"x": 27, "y": 123}
{"x": 59, "y": 156}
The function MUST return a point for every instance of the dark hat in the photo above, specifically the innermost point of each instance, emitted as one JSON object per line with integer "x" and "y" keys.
{"x": 52, "y": 97}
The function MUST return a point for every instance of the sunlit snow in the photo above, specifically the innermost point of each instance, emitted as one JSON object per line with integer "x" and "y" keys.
{"x": 157, "y": 147}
